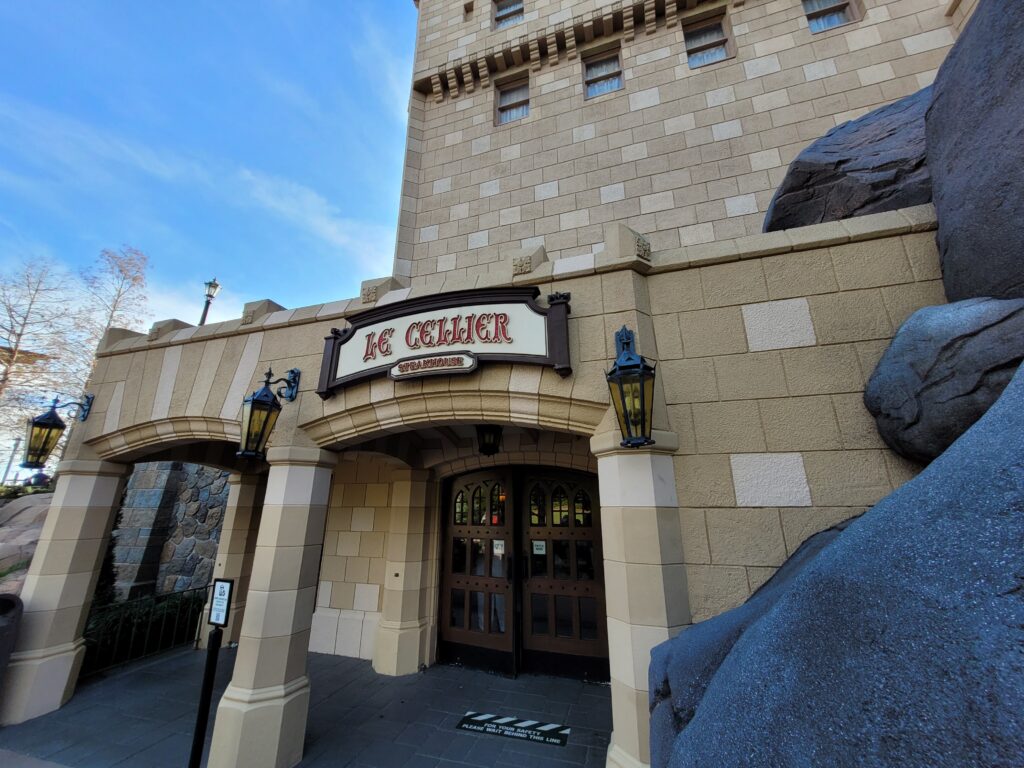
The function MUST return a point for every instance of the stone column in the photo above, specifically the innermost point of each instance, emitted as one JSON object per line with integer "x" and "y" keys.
{"x": 59, "y": 589}
{"x": 645, "y": 582}
{"x": 402, "y": 645}
{"x": 261, "y": 719}
{"x": 237, "y": 547}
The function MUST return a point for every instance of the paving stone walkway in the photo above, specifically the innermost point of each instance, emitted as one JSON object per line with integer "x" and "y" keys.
{"x": 143, "y": 717}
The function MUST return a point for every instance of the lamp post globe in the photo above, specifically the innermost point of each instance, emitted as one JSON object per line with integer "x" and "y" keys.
{"x": 631, "y": 387}
{"x": 212, "y": 289}
{"x": 43, "y": 433}
{"x": 259, "y": 415}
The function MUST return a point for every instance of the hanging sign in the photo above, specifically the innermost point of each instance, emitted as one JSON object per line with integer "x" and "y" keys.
{"x": 447, "y": 334}
{"x": 220, "y": 602}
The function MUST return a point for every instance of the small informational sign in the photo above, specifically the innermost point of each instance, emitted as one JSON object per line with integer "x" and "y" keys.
{"x": 540, "y": 547}
{"x": 220, "y": 602}
{"x": 515, "y": 728}
{"x": 498, "y": 546}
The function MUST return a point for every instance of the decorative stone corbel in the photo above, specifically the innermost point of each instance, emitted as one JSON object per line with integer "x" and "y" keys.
{"x": 650, "y": 19}
{"x": 163, "y": 327}
{"x": 254, "y": 310}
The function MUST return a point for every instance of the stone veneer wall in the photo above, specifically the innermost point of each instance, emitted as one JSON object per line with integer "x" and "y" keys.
{"x": 685, "y": 156}
{"x": 764, "y": 360}
{"x": 188, "y": 555}
{"x": 348, "y": 602}
{"x": 170, "y": 519}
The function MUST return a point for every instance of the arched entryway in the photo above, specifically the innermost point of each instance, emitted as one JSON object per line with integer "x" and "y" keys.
{"x": 522, "y": 576}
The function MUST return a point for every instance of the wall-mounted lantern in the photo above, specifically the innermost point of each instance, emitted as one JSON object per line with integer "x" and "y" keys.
{"x": 488, "y": 438}
{"x": 631, "y": 385}
{"x": 212, "y": 289}
{"x": 44, "y": 431}
{"x": 260, "y": 411}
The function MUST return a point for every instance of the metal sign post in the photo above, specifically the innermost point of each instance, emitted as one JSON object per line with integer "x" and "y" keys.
{"x": 220, "y": 610}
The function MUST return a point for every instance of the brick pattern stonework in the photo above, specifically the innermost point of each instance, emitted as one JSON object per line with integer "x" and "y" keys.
{"x": 685, "y": 156}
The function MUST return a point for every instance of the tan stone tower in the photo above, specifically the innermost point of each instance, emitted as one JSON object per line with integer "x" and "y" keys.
{"x": 533, "y": 123}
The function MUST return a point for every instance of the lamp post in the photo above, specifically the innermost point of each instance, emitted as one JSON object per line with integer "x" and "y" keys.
{"x": 212, "y": 289}
{"x": 631, "y": 386}
{"x": 260, "y": 411}
{"x": 44, "y": 431}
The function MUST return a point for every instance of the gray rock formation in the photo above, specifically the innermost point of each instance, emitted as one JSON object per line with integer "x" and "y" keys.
{"x": 944, "y": 368}
{"x": 681, "y": 672}
{"x": 975, "y": 131}
{"x": 169, "y": 528}
{"x": 21, "y": 523}
{"x": 900, "y": 644}
{"x": 873, "y": 164}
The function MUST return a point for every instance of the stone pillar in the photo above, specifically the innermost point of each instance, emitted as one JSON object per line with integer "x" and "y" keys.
{"x": 402, "y": 643}
{"x": 237, "y": 547}
{"x": 261, "y": 719}
{"x": 645, "y": 582}
{"x": 59, "y": 589}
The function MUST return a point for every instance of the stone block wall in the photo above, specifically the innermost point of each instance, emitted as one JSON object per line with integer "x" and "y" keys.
{"x": 960, "y": 11}
{"x": 169, "y": 526}
{"x": 685, "y": 156}
{"x": 352, "y": 570}
{"x": 764, "y": 359}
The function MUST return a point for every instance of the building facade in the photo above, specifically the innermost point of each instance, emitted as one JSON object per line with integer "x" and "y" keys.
{"x": 572, "y": 168}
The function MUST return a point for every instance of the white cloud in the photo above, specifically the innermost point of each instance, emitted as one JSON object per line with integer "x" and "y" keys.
{"x": 80, "y": 153}
{"x": 370, "y": 247}
{"x": 377, "y": 56}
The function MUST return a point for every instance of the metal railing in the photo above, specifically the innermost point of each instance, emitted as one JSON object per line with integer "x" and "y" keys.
{"x": 118, "y": 633}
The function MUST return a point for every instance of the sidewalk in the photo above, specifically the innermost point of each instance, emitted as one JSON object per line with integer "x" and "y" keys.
{"x": 143, "y": 716}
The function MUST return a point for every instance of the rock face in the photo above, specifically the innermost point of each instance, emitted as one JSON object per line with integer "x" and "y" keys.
{"x": 169, "y": 528}
{"x": 680, "y": 672}
{"x": 873, "y": 164}
{"x": 975, "y": 131}
{"x": 21, "y": 523}
{"x": 899, "y": 645}
{"x": 943, "y": 370}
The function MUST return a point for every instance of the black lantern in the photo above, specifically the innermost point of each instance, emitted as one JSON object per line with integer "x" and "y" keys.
{"x": 260, "y": 411}
{"x": 631, "y": 384}
{"x": 44, "y": 431}
{"x": 212, "y": 289}
{"x": 488, "y": 438}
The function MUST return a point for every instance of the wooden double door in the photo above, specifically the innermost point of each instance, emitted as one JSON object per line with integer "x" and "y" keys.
{"x": 522, "y": 586}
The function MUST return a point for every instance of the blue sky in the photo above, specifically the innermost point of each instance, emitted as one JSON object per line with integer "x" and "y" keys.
{"x": 258, "y": 141}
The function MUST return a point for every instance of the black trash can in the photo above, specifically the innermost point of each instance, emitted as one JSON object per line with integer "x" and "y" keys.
{"x": 10, "y": 617}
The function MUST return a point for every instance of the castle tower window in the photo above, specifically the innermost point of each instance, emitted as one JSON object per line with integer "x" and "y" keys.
{"x": 707, "y": 44}
{"x": 602, "y": 74}
{"x": 828, "y": 14}
{"x": 507, "y": 13}
{"x": 513, "y": 101}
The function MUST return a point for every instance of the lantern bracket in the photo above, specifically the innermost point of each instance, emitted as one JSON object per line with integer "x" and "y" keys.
{"x": 84, "y": 407}
{"x": 291, "y": 379}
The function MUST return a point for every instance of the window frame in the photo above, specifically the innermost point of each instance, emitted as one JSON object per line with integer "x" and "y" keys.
{"x": 602, "y": 54}
{"x": 727, "y": 40}
{"x": 505, "y": 19}
{"x": 507, "y": 85}
{"x": 850, "y": 7}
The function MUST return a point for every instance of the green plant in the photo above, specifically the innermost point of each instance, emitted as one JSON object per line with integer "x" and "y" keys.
{"x": 19, "y": 566}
